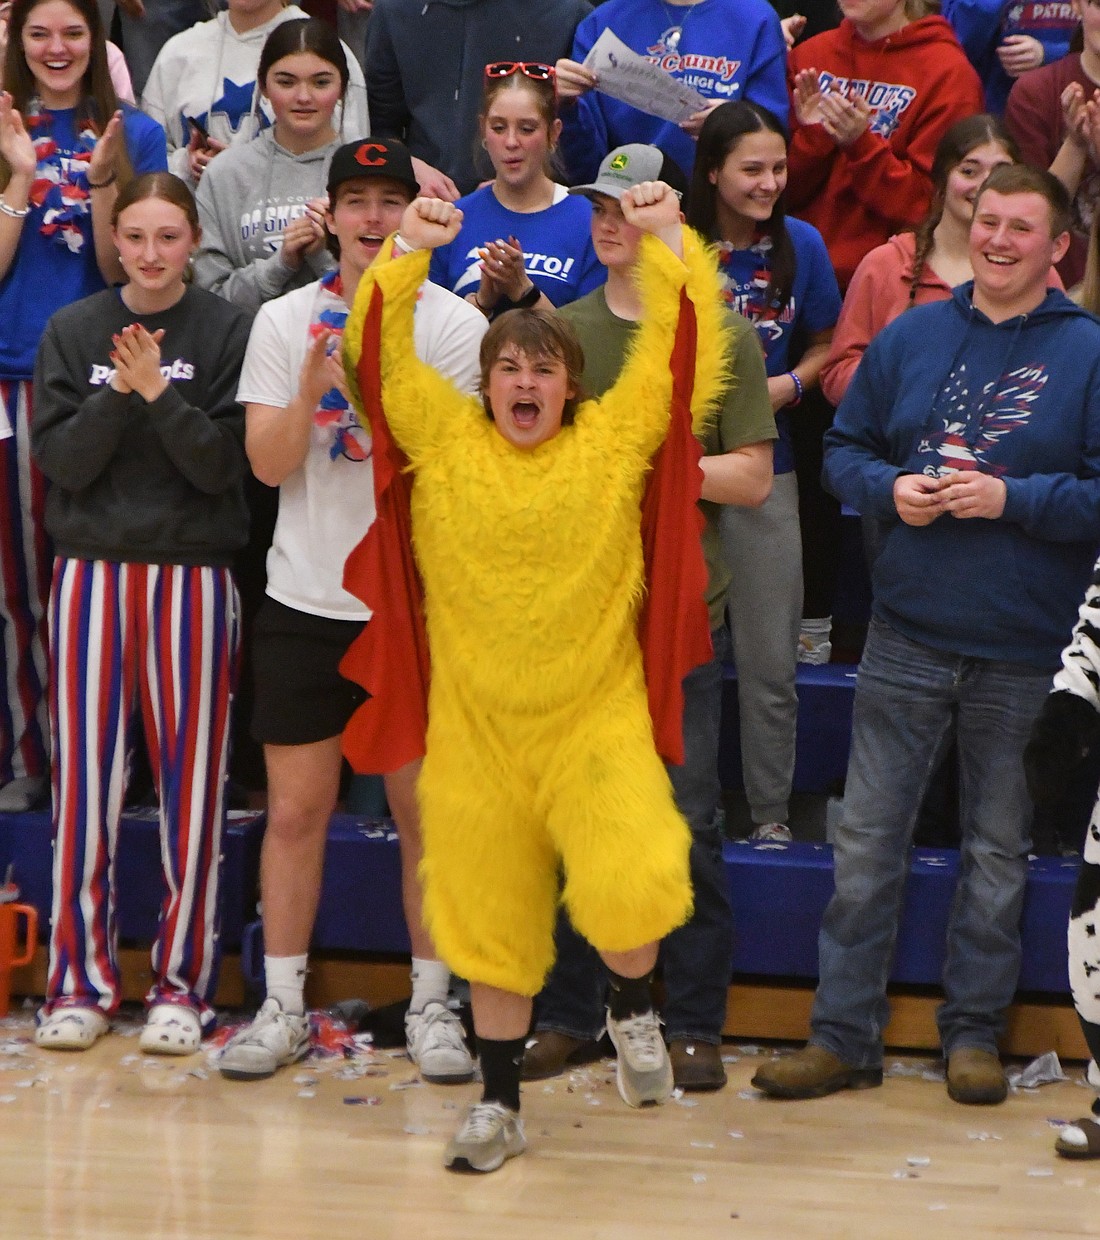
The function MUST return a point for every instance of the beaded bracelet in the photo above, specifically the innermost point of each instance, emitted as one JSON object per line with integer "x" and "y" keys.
{"x": 14, "y": 213}
{"x": 798, "y": 389}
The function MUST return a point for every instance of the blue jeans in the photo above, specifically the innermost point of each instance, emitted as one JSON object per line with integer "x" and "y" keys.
{"x": 908, "y": 697}
{"x": 697, "y": 959}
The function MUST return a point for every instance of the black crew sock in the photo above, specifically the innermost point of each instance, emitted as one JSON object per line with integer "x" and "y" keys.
{"x": 500, "y": 1066}
{"x": 629, "y": 996}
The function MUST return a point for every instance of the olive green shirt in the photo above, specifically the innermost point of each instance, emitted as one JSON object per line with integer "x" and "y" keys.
{"x": 745, "y": 416}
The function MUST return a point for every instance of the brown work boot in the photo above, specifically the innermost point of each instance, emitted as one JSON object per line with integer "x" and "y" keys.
{"x": 975, "y": 1077}
{"x": 812, "y": 1072}
{"x": 696, "y": 1066}
{"x": 549, "y": 1053}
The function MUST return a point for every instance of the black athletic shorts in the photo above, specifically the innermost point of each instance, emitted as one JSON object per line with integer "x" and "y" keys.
{"x": 300, "y": 697}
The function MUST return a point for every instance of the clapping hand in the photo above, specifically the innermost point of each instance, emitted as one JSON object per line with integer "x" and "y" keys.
{"x": 15, "y": 143}
{"x": 136, "y": 357}
{"x": 304, "y": 235}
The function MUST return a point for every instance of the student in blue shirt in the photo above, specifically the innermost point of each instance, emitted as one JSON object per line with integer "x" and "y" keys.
{"x": 67, "y": 147}
{"x": 776, "y": 271}
{"x": 524, "y": 240}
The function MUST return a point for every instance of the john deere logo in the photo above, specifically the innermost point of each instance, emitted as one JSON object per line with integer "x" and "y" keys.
{"x": 619, "y": 163}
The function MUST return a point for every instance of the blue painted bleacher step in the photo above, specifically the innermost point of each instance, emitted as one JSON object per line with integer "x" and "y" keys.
{"x": 25, "y": 842}
{"x": 779, "y": 893}
{"x": 825, "y": 696}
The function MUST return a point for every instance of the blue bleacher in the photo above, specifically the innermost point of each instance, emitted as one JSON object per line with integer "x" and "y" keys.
{"x": 825, "y": 696}
{"x": 25, "y": 845}
{"x": 779, "y": 893}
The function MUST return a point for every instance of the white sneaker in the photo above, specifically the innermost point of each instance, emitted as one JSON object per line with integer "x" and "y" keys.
{"x": 71, "y": 1028}
{"x": 436, "y": 1043}
{"x": 814, "y": 649}
{"x": 171, "y": 1029}
{"x": 644, "y": 1070}
{"x": 772, "y": 833}
{"x": 274, "y": 1039}
{"x": 489, "y": 1135}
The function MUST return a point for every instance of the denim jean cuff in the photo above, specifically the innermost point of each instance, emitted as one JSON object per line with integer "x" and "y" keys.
{"x": 710, "y": 1038}
{"x": 972, "y": 1042}
{"x": 852, "y": 1058}
{"x": 582, "y": 1035}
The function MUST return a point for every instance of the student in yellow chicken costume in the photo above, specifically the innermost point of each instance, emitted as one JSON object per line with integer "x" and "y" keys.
{"x": 540, "y": 757}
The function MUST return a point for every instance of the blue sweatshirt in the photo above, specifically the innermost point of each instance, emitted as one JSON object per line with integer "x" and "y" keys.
{"x": 983, "y": 25}
{"x": 942, "y": 388}
{"x": 725, "y": 49}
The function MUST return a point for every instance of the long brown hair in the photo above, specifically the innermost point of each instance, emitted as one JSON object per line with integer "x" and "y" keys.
{"x": 1088, "y": 295}
{"x": 304, "y": 35}
{"x": 98, "y": 101}
{"x": 955, "y": 145}
{"x": 718, "y": 139}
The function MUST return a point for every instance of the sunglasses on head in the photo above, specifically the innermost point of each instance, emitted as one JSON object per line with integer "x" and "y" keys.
{"x": 529, "y": 68}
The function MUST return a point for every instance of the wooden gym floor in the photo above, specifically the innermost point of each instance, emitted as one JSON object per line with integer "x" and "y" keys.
{"x": 113, "y": 1145}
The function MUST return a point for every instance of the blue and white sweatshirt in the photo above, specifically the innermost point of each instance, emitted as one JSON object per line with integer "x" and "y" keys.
{"x": 943, "y": 388}
{"x": 726, "y": 50}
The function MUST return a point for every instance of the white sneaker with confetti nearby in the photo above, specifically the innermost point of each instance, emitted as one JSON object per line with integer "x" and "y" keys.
{"x": 71, "y": 1028}
{"x": 436, "y": 1043}
{"x": 274, "y": 1039}
{"x": 644, "y": 1070}
{"x": 490, "y": 1134}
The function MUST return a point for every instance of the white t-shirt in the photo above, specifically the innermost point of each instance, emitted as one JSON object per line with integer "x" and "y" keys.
{"x": 327, "y": 504}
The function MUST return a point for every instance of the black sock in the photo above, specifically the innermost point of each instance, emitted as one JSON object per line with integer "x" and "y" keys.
{"x": 500, "y": 1065}
{"x": 629, "y": 996}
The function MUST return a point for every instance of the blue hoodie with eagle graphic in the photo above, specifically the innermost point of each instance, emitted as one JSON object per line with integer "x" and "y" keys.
{"x": 944, "y": 388}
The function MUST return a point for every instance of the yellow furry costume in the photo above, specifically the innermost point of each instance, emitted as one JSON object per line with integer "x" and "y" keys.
{"x": 540, "y": 749}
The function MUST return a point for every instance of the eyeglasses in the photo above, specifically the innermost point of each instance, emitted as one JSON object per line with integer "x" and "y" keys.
{"x": 529, "y": 68}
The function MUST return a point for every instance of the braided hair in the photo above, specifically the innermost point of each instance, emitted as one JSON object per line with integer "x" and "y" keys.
{"x": 955, "y": 145}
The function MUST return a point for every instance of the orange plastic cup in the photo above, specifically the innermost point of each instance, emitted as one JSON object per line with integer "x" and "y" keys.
{"x": 9, "y": 937}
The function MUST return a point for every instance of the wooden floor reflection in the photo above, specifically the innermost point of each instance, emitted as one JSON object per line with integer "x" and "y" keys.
{"x": 113, "y": 1145}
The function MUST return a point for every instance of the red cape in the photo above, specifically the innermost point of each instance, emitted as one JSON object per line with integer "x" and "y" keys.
{"x": 390, "y": 658}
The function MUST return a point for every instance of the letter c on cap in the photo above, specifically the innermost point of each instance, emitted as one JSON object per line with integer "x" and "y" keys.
{"x": 362, "y": 155}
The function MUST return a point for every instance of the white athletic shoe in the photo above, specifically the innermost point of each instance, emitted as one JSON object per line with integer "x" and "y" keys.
{"x": 489, "y": 1135}
{"x": 772, "y": 833}
{"x": 274, "y": 1039}
{"x": 644, "y": 1070}
{"x": 436, "y": 1043}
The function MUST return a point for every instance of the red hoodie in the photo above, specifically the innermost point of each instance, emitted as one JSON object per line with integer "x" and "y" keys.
{"x": 919, "y": 82}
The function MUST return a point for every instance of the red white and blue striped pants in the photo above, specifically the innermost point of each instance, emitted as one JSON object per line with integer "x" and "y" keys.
{"x": 164, "y": 636}
{"x": 26, "y": 559}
